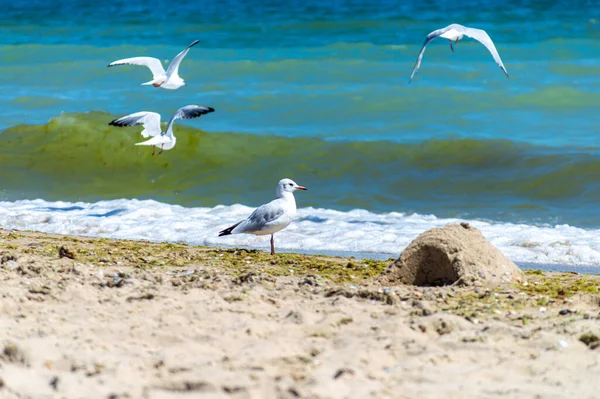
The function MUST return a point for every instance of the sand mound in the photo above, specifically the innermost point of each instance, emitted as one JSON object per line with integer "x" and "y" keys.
{"x": 454, "y": 253}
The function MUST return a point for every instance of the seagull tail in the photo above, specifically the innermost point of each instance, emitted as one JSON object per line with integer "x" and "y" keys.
{"x": 228, "y": 230}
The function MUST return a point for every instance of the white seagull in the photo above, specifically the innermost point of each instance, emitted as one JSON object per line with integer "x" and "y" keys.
{"x": 455, "y": 32}
{"x": 151, "y": 122}
{"x": 272, "y": 217}
{"x": 168, "y": 79}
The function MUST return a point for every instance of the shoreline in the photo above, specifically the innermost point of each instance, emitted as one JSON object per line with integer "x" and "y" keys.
{"x": 96, "y": 317}
{"x": 376, "y": 256}
{"x": 363, "y": 233}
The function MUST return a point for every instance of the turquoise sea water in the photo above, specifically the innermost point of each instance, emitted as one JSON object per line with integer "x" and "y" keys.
{"x": 312, "y": 90}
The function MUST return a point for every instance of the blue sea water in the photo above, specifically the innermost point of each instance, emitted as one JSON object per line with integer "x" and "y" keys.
{"x": 317, "y": 91}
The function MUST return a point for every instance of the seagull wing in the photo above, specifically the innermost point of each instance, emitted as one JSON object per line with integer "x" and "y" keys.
{"x": 261, "y": 217}
{"x": 429, "y": 38}
{"x": 152, "y": 63}
{"x": 174, "y": 65}
{"x": 482, "y": 37}
{"x": 192, "y": 111}
{"x": 150, "y": 120}
{"x": 188, "y": 112}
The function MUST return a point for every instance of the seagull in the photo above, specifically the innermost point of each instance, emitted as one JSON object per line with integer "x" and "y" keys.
{"x": 455, "y": 32}
{"x": 272, "y": 217}
{"x": 151, "y": 123}
{"x": 167, "y": 80}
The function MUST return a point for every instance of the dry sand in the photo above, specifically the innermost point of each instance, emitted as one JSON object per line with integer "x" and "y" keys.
{"x": 137, "y": 320}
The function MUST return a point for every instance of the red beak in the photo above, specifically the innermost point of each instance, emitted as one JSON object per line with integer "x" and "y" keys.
{"x": 301, "y": 188}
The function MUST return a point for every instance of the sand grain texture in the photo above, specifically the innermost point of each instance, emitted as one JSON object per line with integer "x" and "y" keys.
{"x": 126, "y": 328}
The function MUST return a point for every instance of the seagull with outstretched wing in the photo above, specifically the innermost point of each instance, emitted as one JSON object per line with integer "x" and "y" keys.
{"x": 151, "y": 122}
{"x": 168, "y": 79}
{"x": 454, "y": 33}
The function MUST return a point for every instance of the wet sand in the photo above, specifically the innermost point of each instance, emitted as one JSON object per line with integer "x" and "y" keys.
{"x": 101, "y": 318}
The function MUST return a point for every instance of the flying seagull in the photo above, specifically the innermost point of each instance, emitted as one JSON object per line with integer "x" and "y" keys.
{"x": 151, "y": 123}
{"x": 272, "y": 217}
{"x": 167, "y": 80}
{"x": 455, "y": 32}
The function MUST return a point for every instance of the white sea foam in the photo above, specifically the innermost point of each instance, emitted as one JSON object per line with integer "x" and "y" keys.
{"x": 314, "y": 230}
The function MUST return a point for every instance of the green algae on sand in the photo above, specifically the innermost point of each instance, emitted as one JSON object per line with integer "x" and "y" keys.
{"x": 538, "y": 289}
{"x": 143, "y": 254}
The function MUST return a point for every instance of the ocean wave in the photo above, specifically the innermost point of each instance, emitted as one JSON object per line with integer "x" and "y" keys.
{"x": 80, "y": 157}
{"x": 315, "y": 229}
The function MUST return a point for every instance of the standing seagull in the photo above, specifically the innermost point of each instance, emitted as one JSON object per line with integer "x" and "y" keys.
{"x": 167, "y": 80}
{"x": 455, "y": 32}
{"x": 272, "y": 217}
{"x": 151, "y": 122}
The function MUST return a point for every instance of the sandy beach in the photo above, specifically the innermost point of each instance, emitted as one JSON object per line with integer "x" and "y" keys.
{"x": 444, "y": 241}
{"x": 101, "y": 318}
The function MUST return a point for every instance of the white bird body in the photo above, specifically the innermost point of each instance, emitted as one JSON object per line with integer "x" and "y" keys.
{"x": 454, "y": 33}
{"x": 166, "y": 82}
{"x": 168, "y": 79}
{"x": 271, "y": 217}
{"x": 166, "y": 142}
{"x": 151, "y": 122}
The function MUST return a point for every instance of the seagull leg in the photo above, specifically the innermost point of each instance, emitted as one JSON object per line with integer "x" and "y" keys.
{"x": 272, "y": 245}
{"x": 161, "y": 149}
{"x": 451, "y": 48}
{"x": 153, "y": 147}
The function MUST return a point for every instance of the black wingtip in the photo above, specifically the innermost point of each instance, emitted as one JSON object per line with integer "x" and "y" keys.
{"x": 210, "y": 109}
{"x": 116, "y": 122}
{"x": 194, "y": 43}
{"x": 228, "y": 230}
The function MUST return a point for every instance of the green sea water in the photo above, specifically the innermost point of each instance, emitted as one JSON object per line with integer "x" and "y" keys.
{"x": 80, "y": 157}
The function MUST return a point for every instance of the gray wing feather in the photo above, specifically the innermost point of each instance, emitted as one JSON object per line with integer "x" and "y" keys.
{"x": 173, "y": 68}
{"x": 260, "y": 218}
{"x": 150, "y": 120}
{"x": 264, "y": 215}
{"x": 192, "y": 111}
{"x": 188, "y": 112}
{"x": 429, "y": 38}
{"x": 482, "y": 37}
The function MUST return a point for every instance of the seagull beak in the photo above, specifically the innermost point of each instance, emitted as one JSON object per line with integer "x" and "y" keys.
{"x": 301, "y": 188}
